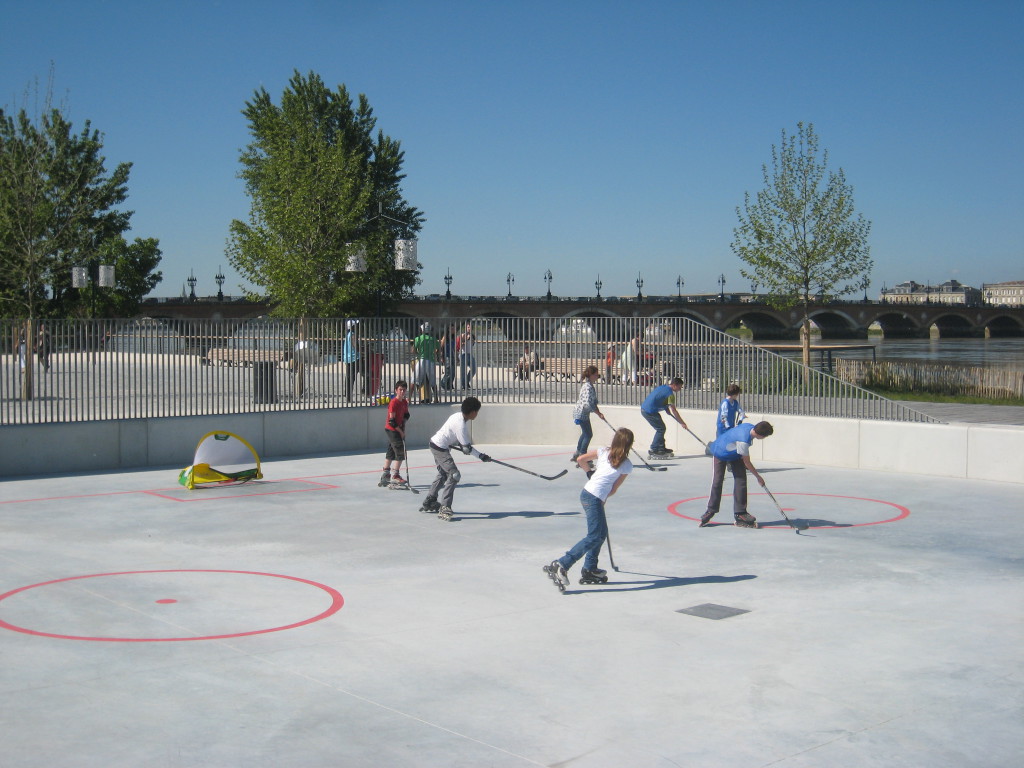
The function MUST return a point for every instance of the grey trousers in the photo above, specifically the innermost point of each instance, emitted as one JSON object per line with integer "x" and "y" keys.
{"x": 739, "y": 486}
{"x": 448, "y": 476}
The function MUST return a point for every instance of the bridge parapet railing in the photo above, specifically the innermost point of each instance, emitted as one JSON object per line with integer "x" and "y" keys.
{"x": 83, "y": 370}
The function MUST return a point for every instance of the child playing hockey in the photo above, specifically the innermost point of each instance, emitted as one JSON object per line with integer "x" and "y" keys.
{"x": 612, "y": 466}
{"x": 454, "y": 433}
{"x": 586, "y": 405}
{"x": 730, "y": 413}
{"x": 662, "y": 398}
{"x": 732, "y": 449}
{"x": 394, "y": 428}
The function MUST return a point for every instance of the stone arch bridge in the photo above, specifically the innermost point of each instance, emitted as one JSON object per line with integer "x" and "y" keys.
{"x": 836, "y": 320}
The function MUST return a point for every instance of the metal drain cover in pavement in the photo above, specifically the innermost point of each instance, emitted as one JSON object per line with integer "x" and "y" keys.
{"x": 712, "y": 611}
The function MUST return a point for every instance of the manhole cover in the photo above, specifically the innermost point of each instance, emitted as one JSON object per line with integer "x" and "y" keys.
{"x": 712, "y": 611}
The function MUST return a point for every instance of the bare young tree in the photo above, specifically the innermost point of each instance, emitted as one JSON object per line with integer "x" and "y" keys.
{"x": 800, "y": 237}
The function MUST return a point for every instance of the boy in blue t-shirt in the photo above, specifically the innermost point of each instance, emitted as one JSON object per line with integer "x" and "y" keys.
{"x": 732, "y": 449}
{"x": 662, "y": 398}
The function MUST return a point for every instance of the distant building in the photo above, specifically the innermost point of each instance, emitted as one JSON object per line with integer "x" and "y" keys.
{"x": 949, "y": 292}
{"x": 1009, "y": 294}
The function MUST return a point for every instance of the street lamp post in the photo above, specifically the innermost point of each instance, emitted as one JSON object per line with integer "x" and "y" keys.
{"x": 679, "y": 287}
{"x": 219, "y": 277}
{"x": 191, "y": 285}
{"x": 598, "y": 284}
{"x": 511, "y": 280}
{"x": 721, "y": 288}
{"x": 448, "y": 284}
{"x": 639, "y": 288}
{"x": 548, "y": 277}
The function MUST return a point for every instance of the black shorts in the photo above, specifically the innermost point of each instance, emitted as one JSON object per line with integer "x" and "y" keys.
{"x": 396, "y": 446}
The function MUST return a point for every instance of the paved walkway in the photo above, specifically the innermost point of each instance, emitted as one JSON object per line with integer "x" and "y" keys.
{"x": 314, "y": 619}
{"x": 971, "y": 414}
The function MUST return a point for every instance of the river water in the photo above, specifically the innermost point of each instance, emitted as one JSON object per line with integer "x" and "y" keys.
{"x": 987, "y": 353}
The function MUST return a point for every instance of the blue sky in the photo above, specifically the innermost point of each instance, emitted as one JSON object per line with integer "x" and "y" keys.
{"x": 588, "y": 138}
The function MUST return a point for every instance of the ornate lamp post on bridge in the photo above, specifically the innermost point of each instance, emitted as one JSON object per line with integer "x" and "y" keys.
{"x": 191, "y": 285}
{"x": 679, "y": 287}
{"x": 639, "y": 288}
{"x": 548, "y": 277}
{"x": 448, "y": 284}
{"x": 721, "y": 289}
{"x": 598, "y": 284}
{"x": 511, "y": 280}
{"x": 219, "y": 278}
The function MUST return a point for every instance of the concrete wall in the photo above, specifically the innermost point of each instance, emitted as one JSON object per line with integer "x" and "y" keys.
{"x": 982, "y": 452}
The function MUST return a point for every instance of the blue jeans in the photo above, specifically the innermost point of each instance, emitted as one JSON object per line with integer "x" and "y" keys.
{"x": 587, "y": 434}
{"x": 655, "y": 420}
{"x": 467, "y": 369}
{"x": 597, "y": 531}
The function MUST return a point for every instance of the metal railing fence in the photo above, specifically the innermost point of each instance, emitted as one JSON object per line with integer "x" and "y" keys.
{"x": 82, "y": 370}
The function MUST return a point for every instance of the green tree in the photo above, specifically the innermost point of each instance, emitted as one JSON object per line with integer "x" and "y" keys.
{"x": 322, "y": 187}
{"x": 56, "y": 200}
{"x": 801, "y": 238}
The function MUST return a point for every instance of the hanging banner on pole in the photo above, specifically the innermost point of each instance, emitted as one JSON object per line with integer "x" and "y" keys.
{"x": 405, "y": 255}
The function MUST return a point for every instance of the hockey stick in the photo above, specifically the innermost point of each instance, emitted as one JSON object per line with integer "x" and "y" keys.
{"x": 542, "y": 477}
{"x": 608, "y": 541}
{"x": 407, "y": 478}
{"x": 653, "y": 469}
{"x": 794, "y": 526}
{"x": 707, "y": 446}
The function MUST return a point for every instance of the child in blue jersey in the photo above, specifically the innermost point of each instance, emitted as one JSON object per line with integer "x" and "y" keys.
{"x": 609, "y": 472}
{"x": 662, "y": 398}
{"x": 730, "y": 413}
{"x": 732, "y": 449}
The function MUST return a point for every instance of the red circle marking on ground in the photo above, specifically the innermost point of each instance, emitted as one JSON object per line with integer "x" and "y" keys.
{"x": 167, "y": 601}
{"x": 336, "y": 602}
{"x": 903, "y": 511}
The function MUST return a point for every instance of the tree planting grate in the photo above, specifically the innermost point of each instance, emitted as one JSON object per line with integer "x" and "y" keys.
{"x": 712, "y": 611}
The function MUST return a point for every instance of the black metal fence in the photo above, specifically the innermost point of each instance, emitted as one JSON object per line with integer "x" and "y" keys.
{"x": 77, "y": 370}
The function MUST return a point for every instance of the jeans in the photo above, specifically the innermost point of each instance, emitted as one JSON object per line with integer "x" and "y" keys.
{"x": 597, "y": 531}
{"x": 587, "y": 434}
{"x": 467, "y": 369}
{"x": 739, "y": 486}
{"x": 655, "y": 420}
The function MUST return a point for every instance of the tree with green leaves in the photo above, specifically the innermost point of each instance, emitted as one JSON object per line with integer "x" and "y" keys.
{"x": 56, "y": 202}
{"x": 801, "y": 238}
{"x": 323, "y": 188}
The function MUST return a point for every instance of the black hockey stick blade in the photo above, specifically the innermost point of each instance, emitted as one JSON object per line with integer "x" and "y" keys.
{"x": 778, "y": 506}
{"x": 535, "y": 474}
{"x": 648, "y": 466}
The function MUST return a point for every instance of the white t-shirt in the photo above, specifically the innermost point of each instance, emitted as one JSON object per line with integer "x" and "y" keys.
{"x": 455, "y": 431}
{"x": 605, "y": 475}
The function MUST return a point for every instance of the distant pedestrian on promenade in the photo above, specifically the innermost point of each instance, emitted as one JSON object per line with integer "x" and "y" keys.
{"x": 350, "y": 357}
{"x": 425, "y": 347}
{"x": 467, "y": 356}
{"x": 449, "y": 356}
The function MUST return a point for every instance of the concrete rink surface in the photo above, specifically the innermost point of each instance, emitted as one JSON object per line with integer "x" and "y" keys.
{"x": 314, "y": 619}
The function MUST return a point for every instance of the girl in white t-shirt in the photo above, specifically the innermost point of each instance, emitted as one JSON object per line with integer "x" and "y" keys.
{"x": 609, "y": 472}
